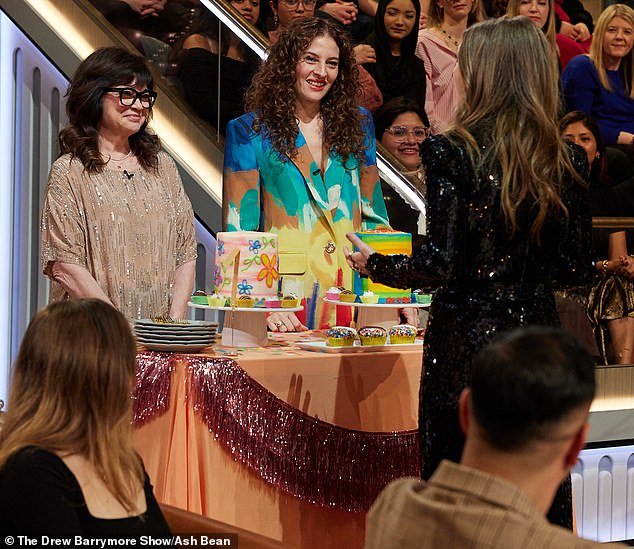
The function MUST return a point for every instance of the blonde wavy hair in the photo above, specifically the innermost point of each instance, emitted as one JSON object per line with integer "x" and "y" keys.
{"x": 514, "y": 98}
{"x": 596, "y": 49}
{"x": 435, "y": 14}
{"x": 513, "y": 10}
{"x": 71, "y": 389}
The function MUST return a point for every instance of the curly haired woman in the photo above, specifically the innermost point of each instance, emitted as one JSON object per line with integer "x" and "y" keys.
{"x": 302, "y": 162}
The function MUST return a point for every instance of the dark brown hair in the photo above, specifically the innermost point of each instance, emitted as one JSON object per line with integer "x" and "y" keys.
{"x": 71, "y": 389}
{"x": 105, "y": 68}
{"x": 272, "y": 93}
{"x": 598, "y": 169}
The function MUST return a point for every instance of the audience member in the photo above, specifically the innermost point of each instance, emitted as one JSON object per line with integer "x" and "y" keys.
{"x": 116, "y": 222}
{"x": 287, "y": 11}
{"x": 198, "y": 64}
{"x": 160, "y": 19}
{"x": 611, "y": 300}
{"x": 508, "y": 218}
{"x": 67, "y": 460}
{"x": 438, "y": 48}
{"x": 401, "y": 126}
{"x": 542, "y": 13}
{"x": 396, "y": 69}
{"x": 302, "y": 162}
{"x": 525, "y": 418}
{"x": 602, "y": 84}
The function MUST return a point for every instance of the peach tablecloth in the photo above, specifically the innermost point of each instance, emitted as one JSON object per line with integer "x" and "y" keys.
{"x": 192, "y": 470}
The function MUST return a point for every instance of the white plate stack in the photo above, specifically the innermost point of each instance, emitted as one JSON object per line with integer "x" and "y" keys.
{"x": 183, "y": 336}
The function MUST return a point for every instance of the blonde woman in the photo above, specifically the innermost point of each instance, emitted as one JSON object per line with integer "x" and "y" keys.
{"x": 438, "y": 45}
{"x": 503, "y": 228}
{"x": 67, "y": 462}
{"x": 602, "y": 83}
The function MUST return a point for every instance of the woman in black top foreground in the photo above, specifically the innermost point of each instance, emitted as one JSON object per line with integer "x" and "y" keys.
{"x": 67, "y": 462}
{"x": 508, "y": 219}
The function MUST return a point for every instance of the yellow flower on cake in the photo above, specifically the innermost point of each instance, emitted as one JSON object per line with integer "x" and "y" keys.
{"x": 268, "y": 272}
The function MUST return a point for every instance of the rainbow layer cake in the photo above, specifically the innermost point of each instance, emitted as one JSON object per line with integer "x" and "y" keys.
{"x": 386, "y": 242}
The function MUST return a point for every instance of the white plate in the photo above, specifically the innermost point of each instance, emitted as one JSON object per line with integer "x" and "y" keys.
{"x": 177, "y": 340}
{"x": 144, "y": 330}
{"x": 321, "y": 346}
{"x": 185, "y": 325}
{"x": 175, "y": 348}
{"x": 248, "y": 309}
{"x": 379, "y": 305}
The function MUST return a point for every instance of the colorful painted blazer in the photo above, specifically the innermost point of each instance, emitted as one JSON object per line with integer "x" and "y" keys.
{"x": 310, "y": 213}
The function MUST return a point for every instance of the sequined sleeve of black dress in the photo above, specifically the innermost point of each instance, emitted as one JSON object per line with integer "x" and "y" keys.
{"x": 485, "y": 279}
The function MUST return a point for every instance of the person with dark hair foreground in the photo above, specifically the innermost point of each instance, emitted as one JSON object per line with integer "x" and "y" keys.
{"x": 302, "y": 163}
{"x": 503, "y": 229}
{"x": 67, "y": 459}
{"x": 116, "y": 222}
{"x": 525, "y": 417}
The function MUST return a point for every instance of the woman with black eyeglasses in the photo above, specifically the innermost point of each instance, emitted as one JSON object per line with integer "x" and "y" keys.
{"x": 116, "y": 222}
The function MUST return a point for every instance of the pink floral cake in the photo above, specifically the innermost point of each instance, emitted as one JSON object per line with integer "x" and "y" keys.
{"x": 258, "y": 269}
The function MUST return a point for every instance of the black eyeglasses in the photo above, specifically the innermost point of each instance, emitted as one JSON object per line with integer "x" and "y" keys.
{"x": 293, "y": 3}
{"x": 400, "y": 133}
{"x": 128, "y": 96}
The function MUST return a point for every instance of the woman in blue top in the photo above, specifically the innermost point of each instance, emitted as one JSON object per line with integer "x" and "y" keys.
{"x": 602, "y": 84}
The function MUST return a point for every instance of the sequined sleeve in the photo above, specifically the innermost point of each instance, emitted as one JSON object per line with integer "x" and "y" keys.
{"x": 576, "y": 255}
{"x": 442, "y": 252}
{"x": 186, "y": 244}
{"x": 63, "y": 225}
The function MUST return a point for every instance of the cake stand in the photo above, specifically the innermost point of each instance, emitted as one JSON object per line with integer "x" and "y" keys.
{"x": 384, "y": 315}
{"x": 245, "y": 326}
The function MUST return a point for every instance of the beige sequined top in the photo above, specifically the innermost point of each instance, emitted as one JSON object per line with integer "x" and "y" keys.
{"x": 130, "y": 234}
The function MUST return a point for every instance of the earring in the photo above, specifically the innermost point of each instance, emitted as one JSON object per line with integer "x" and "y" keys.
{"x": 598, "y": 155}
{"x": 275, "y": 21}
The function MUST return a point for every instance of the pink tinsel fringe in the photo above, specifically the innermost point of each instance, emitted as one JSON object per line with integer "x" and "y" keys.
{"x": 313, "y": 460}
{"x": 152, "y": 387}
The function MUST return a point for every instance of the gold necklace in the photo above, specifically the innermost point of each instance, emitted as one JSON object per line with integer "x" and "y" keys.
{"x": 117, "y": 161}
{"x": 450, "y": 39}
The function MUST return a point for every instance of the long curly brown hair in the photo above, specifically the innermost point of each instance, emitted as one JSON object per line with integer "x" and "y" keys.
{"x": 105, "y": 68}
{"x": 273, "y": 98}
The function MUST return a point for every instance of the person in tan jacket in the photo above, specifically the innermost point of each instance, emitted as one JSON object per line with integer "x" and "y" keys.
{"x": 525, "y": 420}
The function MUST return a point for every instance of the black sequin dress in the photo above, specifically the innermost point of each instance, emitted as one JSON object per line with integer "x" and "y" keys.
{"x": 485, "y": 280}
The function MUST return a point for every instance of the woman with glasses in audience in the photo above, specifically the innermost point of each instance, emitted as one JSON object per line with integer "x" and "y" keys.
{"x": 67, "y": 459}
{"x": 116, "y": 222}
{"x": 302, "y": 162}
{"x": 401, "y": 126}
{"x": 508, "y": 219}
{"x": 287, "y": 11}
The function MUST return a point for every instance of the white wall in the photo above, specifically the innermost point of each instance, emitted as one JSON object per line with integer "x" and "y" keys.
{"x": 31, "y": 105}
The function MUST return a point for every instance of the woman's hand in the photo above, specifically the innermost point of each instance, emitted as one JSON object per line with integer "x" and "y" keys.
{"x": 583, "y": 33}
{"x": 344, "y": 12}
{"x": 364, "y": 53}
{"x": 358, "y": 260}
{"x": 625, "y": 138}
{"x": 626, "y": 267}
{"x": 284, "y": 322}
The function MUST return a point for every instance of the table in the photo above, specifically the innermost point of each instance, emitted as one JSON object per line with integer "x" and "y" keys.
{"x": 353, "y": 396}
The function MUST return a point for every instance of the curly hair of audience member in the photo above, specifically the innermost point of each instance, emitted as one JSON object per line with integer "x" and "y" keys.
{"x": 272, "y": 93}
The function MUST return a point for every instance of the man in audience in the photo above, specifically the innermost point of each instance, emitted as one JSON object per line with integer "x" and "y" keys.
{"x": 525, "y": 420}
